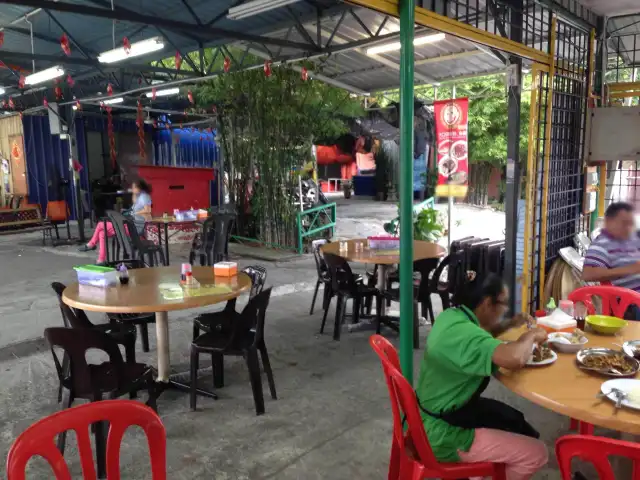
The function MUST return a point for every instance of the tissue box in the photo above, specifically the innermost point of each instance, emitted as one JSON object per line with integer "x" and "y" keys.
{"x": 225, "y": 269}
{"x": 96, "y": 275}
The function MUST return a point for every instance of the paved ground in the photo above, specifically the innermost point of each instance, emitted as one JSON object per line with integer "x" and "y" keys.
{"x": 331, "y": 419}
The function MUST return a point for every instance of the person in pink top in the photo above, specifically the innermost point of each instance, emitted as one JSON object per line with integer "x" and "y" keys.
{"x": 140, "y": 211}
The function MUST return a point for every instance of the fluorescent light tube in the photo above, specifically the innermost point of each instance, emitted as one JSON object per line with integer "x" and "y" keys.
{"x": 111, "y": 101}
{"x": 391, "y": 47}
{"x": 163, "y": 93}
{"x": 138, "y": 48}
{"x": 44, "y": 75}
{"x": 256, "y": 7}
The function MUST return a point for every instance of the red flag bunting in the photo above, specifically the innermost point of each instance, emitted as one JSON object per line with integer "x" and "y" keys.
{"x": 227, "y": 64}
{"x": 65, "y": 45}
{"x": 126, "y": 44}
{"x": 178, "y": 60}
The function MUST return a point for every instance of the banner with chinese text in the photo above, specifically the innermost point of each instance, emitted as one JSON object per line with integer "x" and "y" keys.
{"x": 452, "y": 118}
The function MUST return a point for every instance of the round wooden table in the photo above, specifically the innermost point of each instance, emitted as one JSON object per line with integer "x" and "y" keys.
{"x": 144, "y": 294}
{"x": 383, "y": 259}
{"x": 565, "y": 389}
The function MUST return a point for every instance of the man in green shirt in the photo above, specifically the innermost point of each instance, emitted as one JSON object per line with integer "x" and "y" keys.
{"x": 461, "y": 354}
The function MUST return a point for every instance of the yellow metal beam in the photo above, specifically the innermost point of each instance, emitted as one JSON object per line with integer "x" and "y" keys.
{"x": 632, "y": 93}
{"x": 623, "y": 86}
{"x": 547, "y": 162}
{"x": 441, "y": 23}
{"x": 592, "y": 60}
{"x": 451, "y": 56}
{"x": 532, "y": 155}
{"x": 602, "y": 189}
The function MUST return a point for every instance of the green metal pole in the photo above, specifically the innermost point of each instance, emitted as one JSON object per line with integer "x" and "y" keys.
{"x": 407, "y": 15}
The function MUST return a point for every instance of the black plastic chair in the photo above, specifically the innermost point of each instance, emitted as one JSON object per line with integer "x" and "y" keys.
{"x": 245, "y": 339}
{"x": 113, "y": 378}
{"x": 142, "y": 320}
{"x": 211, "y": 245}
{"x": 422, "y": 296}
{"x": 323, "y": 274}
{"x": 223, "y": 320}
{"x": 345, "y": 285}
{"x": 132, "y": 244}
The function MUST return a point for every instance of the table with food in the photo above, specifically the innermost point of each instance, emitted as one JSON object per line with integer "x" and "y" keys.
{"x": 588, "y": 374}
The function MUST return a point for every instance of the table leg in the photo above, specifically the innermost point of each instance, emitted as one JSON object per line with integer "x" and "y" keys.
{"x": 382, "y": 285}
{"x": 166, "y": 242}
{"x": 162, "y": 333}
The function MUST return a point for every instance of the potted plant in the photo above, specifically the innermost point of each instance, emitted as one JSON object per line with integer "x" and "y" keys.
{"x": 346, "y": 188}
{"x": 428, "y": 225}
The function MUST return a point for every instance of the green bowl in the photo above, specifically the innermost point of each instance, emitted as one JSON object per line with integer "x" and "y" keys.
{"x": 605, "y": 324}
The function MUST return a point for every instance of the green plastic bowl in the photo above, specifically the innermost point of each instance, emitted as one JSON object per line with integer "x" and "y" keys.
{"x": 605, "y": 324}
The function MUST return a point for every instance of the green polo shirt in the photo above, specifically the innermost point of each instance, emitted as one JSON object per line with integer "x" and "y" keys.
{"x": 456, "y": 359}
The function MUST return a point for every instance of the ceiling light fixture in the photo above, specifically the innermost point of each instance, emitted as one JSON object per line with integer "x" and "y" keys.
{"x": 111, "y": 101}
{"x": 391, "y": 47}
{"x": 44, "y": 75}
{"x": 256, "y": 7}
{"x": 164, "y": 93}
{"x": 2, "y": 91}
{"x": 138, "y": 48}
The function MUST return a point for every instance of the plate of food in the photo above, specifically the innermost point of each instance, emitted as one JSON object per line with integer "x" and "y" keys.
{"x": 542, "y": 355}
{"x": 606, "y": 361}
{"x": 565, "y": 342}
{"x": 624, "y": 392}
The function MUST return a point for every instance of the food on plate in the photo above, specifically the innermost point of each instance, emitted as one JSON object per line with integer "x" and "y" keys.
{"x": 541, "y": 353}
{"x": 577, "y": 336}
{"x": 459, "y": 150}
{"x": 608, "y": 362}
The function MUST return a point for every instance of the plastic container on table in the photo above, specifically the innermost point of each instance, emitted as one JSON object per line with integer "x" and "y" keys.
{"x": 96, "y": 275}
{"x": 383, "y": 243}
{"x": 566, "y": 306}
{"x": 558, "y": 321}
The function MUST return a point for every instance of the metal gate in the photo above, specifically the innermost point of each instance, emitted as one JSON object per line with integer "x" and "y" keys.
{"x": 555, "y": 171}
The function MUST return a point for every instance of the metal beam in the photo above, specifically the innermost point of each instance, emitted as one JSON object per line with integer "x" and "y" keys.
{"x": 134, "y": 17}
{"x": 450, "y": 56}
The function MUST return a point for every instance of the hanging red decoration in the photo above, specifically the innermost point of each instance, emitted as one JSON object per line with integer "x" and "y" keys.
{"x": 142, "y": 150}
{"x": 4, "y": 104}
{"x": 70, "y": 81}
{"x": 155, "y": 123}
{"x": 11, "y": 104}
{"x": 45, "y": 103}
{"x": 267, "y": 68}
{"x": 126, "y": 44}
{"x": 154, "y": 92}
{"x": 77, "y": 166}
{"x": 102, "y": 105}
{"x": 227, "y": 64}
{"x": 21, "y": 81}
{"x": 112, "y": 138}
{"x": 65, "y": 45}
{"x": 78, "y": 105}
{"x": 304, "y": 74}
{"x": 109, "y": 90}
{"x": 1, "y": 38}
{"x": 178, "y": 60}
{"x": 139, "y": 81}
{"x": 190, "y": 96}
{"x": 58, "y": 92}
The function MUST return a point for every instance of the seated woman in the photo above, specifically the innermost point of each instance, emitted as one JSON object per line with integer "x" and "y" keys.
{"x": 461, "y": 355}
{"x": 141, "y": 212}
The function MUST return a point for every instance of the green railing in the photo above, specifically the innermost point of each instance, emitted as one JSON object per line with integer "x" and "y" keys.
{"x": 320, "y": 218}
{"x": 392, "y": 226}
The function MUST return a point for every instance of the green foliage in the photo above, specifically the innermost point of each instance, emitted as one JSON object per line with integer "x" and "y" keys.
{"x": 267, "y": 126}
{"x": 428, "y": 225}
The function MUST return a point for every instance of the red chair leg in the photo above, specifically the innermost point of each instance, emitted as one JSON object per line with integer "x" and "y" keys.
{"x": 394, "y": 462}
{"x": 586, "y": 429}
{"x": 574, "y": 424}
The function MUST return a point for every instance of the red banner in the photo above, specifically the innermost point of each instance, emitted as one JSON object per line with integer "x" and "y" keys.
{"x": 452, "y": 117}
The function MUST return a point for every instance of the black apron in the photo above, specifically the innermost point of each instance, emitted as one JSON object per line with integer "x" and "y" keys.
{"x": 479, "y": 412}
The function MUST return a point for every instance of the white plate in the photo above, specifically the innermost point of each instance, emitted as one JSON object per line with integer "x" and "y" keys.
{"x": 548, "y": 361}
{"x": 624, "y": 384}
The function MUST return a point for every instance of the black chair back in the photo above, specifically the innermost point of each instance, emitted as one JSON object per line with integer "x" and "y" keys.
{"x": 223, "y": 225}
{"x": 118, "y": 221}
{"x": 321, "y": 265}
{"x": 258, "y": 275}
{"x": 72, "y": 317}
{"x": 424, "y": 268}
{"x": 342, "y": 277}
{"x": 248, "y": 330}
{"x": 75, "y": 343}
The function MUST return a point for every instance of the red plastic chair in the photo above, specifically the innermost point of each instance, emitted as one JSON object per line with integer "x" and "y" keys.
{"x": 615, "y": 300}
{"x": 597, "y": 451}
{"x": 39, "y": 439}
{"x": 411, "y": 454}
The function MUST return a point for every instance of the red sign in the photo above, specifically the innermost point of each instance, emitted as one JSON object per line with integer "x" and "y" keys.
{"x": 452, "y": 118}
